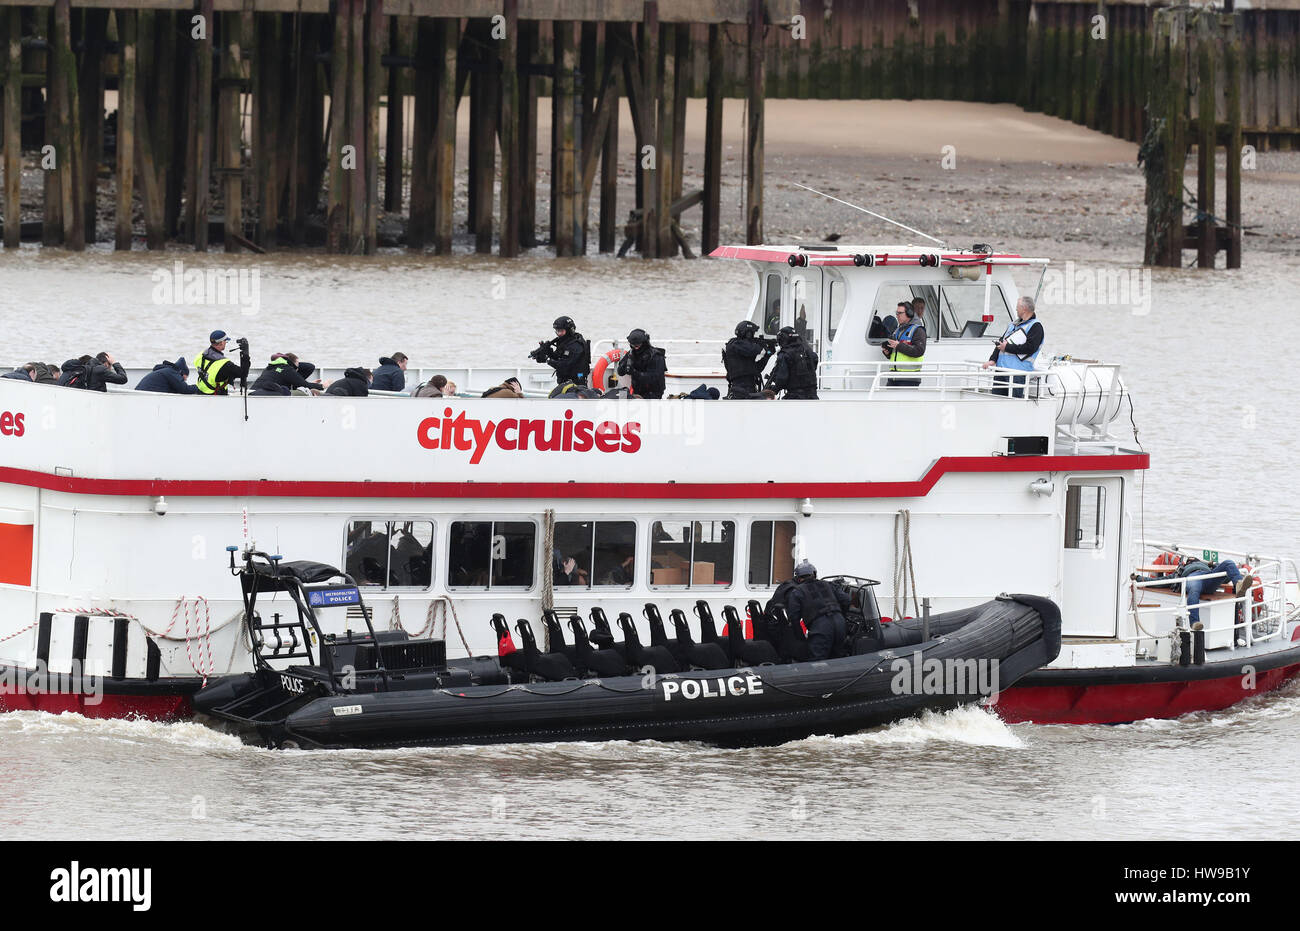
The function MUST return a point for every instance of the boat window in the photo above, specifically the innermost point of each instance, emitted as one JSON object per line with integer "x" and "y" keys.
{"x": 838, "y": 293}
{"x": 772, "y": 306}
{"x": 1085, "y": 510}
{"x": 594, "y": 552}
{"x": 962, "y": 311}
{"x": 491, "y": 554}
{"x": 883, "y": 320}
{"x": 692, "y": 553}
{"x": 390, "y": 554}
{"x": 771, "y": 552}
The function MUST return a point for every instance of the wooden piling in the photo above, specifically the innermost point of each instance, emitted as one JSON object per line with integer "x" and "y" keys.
{"x": 445, "y": 135}
{"x": 1166, "y": 152}
{"x": 509, "y": 121}
{"x": 229, "y": 129}
{"x": 483, "y": 130}
{"x": 754, "y": 129}
{"x": 423, "y": 155}
{"x": 398, "y": 29}
{"x": 1233, "y": 142}
{"x": 1206, "y": 146}
{"x": 336, "y": 220}
{"x": 13, "y": 128}
{"x": 647, "y": 138}
{"x": 666, "y": 147}
{"x": 358, "y": 128}
{"x": 90, "y": 81}
{"x": 596, "y": 146}
{"x": 147, "y": 164}
{"x": 609, "y": 163}
{"x": 529, "y": 36}
{"x": 563, "y": 180}
{"x": 709, "y": 231}
{"x": 68, "y": 119}
{"x": 126, "y": 93}
{"x": 169, "y": 98}
{"x": 374, "y": 81}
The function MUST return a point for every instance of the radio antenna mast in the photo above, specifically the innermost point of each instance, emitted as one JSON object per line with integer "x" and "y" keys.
{"x": 866, "y": 211}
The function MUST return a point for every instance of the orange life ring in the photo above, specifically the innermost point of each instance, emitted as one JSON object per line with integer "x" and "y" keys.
{"x": 601, "y": 367}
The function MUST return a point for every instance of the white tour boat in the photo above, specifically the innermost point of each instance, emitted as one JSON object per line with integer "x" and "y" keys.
{"x": 113, "y": 536}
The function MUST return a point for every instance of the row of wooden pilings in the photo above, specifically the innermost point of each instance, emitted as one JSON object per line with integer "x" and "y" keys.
{"x": 315, "y": 85}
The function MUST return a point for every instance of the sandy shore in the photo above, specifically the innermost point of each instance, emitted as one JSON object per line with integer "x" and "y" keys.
{"x": 965, "y": 172}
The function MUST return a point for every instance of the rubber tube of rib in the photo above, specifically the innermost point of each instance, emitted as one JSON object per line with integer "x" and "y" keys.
{"x": 1185, "y": 651}
{"x": 1198, "y": 647}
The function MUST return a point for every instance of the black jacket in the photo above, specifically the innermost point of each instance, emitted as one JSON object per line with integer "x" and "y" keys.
{"x": 745, "y": 360}
{"x": 795, "y": 372}
{"x": 914, "y": 346}
{"x": 647, "y": 366}
{"x": 280, "y": 377}
{"x": 352, "y": 384}
{"x": 166, "y": 379}
{"x": 18, "y": 375}
{"x": 570, "y": 356}
{"x": 73, "y": 374}
{"x": 100, "y": 375}
{"x": 389, "y": 376}
{"x": 810, "y": 600}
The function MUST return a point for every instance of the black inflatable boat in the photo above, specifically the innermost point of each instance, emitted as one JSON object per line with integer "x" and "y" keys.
{"x": 384, "y": 689}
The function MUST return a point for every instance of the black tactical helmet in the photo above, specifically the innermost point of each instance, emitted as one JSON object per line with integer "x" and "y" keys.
{"x": 638, "y": 338}
{"x": 787, "y": 335}
{"x": 805, "y": 570}
{"x": 565, "y": 323}
{"x": 746, "y": 328}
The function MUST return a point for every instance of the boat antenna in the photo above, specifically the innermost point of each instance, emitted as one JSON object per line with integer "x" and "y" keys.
{"x": 865, "y": 210}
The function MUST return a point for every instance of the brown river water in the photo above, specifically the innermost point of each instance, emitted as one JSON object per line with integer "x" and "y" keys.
{"x": 1214, "y": 381}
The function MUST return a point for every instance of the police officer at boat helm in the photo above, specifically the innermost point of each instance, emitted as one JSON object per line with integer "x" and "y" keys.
{"x": 821, "y": 607}
{"x": 795, "y": 371}
{"x": 1017, "y": 349}
{"x": 569, "y": 354}
{"x": 745, "y": 356}
{"x": 906, "y": 348}
{"x": 214, "y": 372}
{"x": 646, "y": 364}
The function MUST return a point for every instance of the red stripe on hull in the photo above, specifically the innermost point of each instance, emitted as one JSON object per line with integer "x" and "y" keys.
{"x": 242, "y": 488}
{"x": 1120, "y": 704}
{"x": 148, "y": 707}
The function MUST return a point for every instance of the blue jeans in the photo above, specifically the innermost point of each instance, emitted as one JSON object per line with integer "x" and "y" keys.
{"x": 1198, "y": 585}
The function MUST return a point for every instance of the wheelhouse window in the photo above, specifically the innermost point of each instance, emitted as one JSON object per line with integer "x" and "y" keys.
{"x": 772, "y": 305}
{"x": 695, "y": 554}
{"x": 952, "y": 311}
{"x": 594, "y": 553}
{"x": 1085, "y": 515}
{"x": 771, "y": 552}
{"x": 389, "y": 553}
{"x": 838, "y": 299}
{"x": 491, "y": 554}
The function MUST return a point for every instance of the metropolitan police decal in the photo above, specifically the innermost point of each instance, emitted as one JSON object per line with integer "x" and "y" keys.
{"x": 711, "y": 688}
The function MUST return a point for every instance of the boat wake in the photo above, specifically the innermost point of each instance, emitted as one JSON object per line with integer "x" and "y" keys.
{"x": 969, "y": 725}
{"x": 68, "y": 726}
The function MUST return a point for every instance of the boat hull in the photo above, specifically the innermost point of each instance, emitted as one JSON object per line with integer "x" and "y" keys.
{"x": 1120, "y": 695}
{"x": 163, "y": 700}
{"x": 732, "y": 707}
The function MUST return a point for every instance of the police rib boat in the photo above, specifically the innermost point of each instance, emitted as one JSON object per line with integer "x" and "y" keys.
{"x": 386, "y": 689}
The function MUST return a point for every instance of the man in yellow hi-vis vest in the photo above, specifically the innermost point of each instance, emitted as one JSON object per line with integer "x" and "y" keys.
{"x": 214, "y": 373}
{"x": 907, "y": 347}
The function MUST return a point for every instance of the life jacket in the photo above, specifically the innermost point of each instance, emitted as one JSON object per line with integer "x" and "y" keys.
{"x": 1008, "y": 361}
{"x": 206, "y": 377}
{"x": 902, "y": 361}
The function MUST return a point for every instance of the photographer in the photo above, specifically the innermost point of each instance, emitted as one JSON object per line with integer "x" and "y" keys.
{"x": 745, "y": 356}
{"x": 216, "y": 373}
{"x": 569, "y": 354}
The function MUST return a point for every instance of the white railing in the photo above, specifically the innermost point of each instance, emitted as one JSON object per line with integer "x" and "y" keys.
{"x": 1260, "y": 620}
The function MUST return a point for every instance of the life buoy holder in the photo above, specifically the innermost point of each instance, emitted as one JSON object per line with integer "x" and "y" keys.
{"x": 602, "y": 368}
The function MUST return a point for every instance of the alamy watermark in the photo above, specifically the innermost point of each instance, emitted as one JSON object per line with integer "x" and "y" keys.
{"x": 1108, "y": 287}
{"x": 928, "y": 675}
{"x": 209, "y": 287}
{"x": 39, "y": 680}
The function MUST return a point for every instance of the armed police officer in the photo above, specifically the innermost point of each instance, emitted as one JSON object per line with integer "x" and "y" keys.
{"x": 646, "y": 364}
{"x": 795, "y": 371}
{"x": 569, "y": 354}
{"x": 216, "y": 373}
{"x": 821, "y": 607}
{"x": 745, "y": 356}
